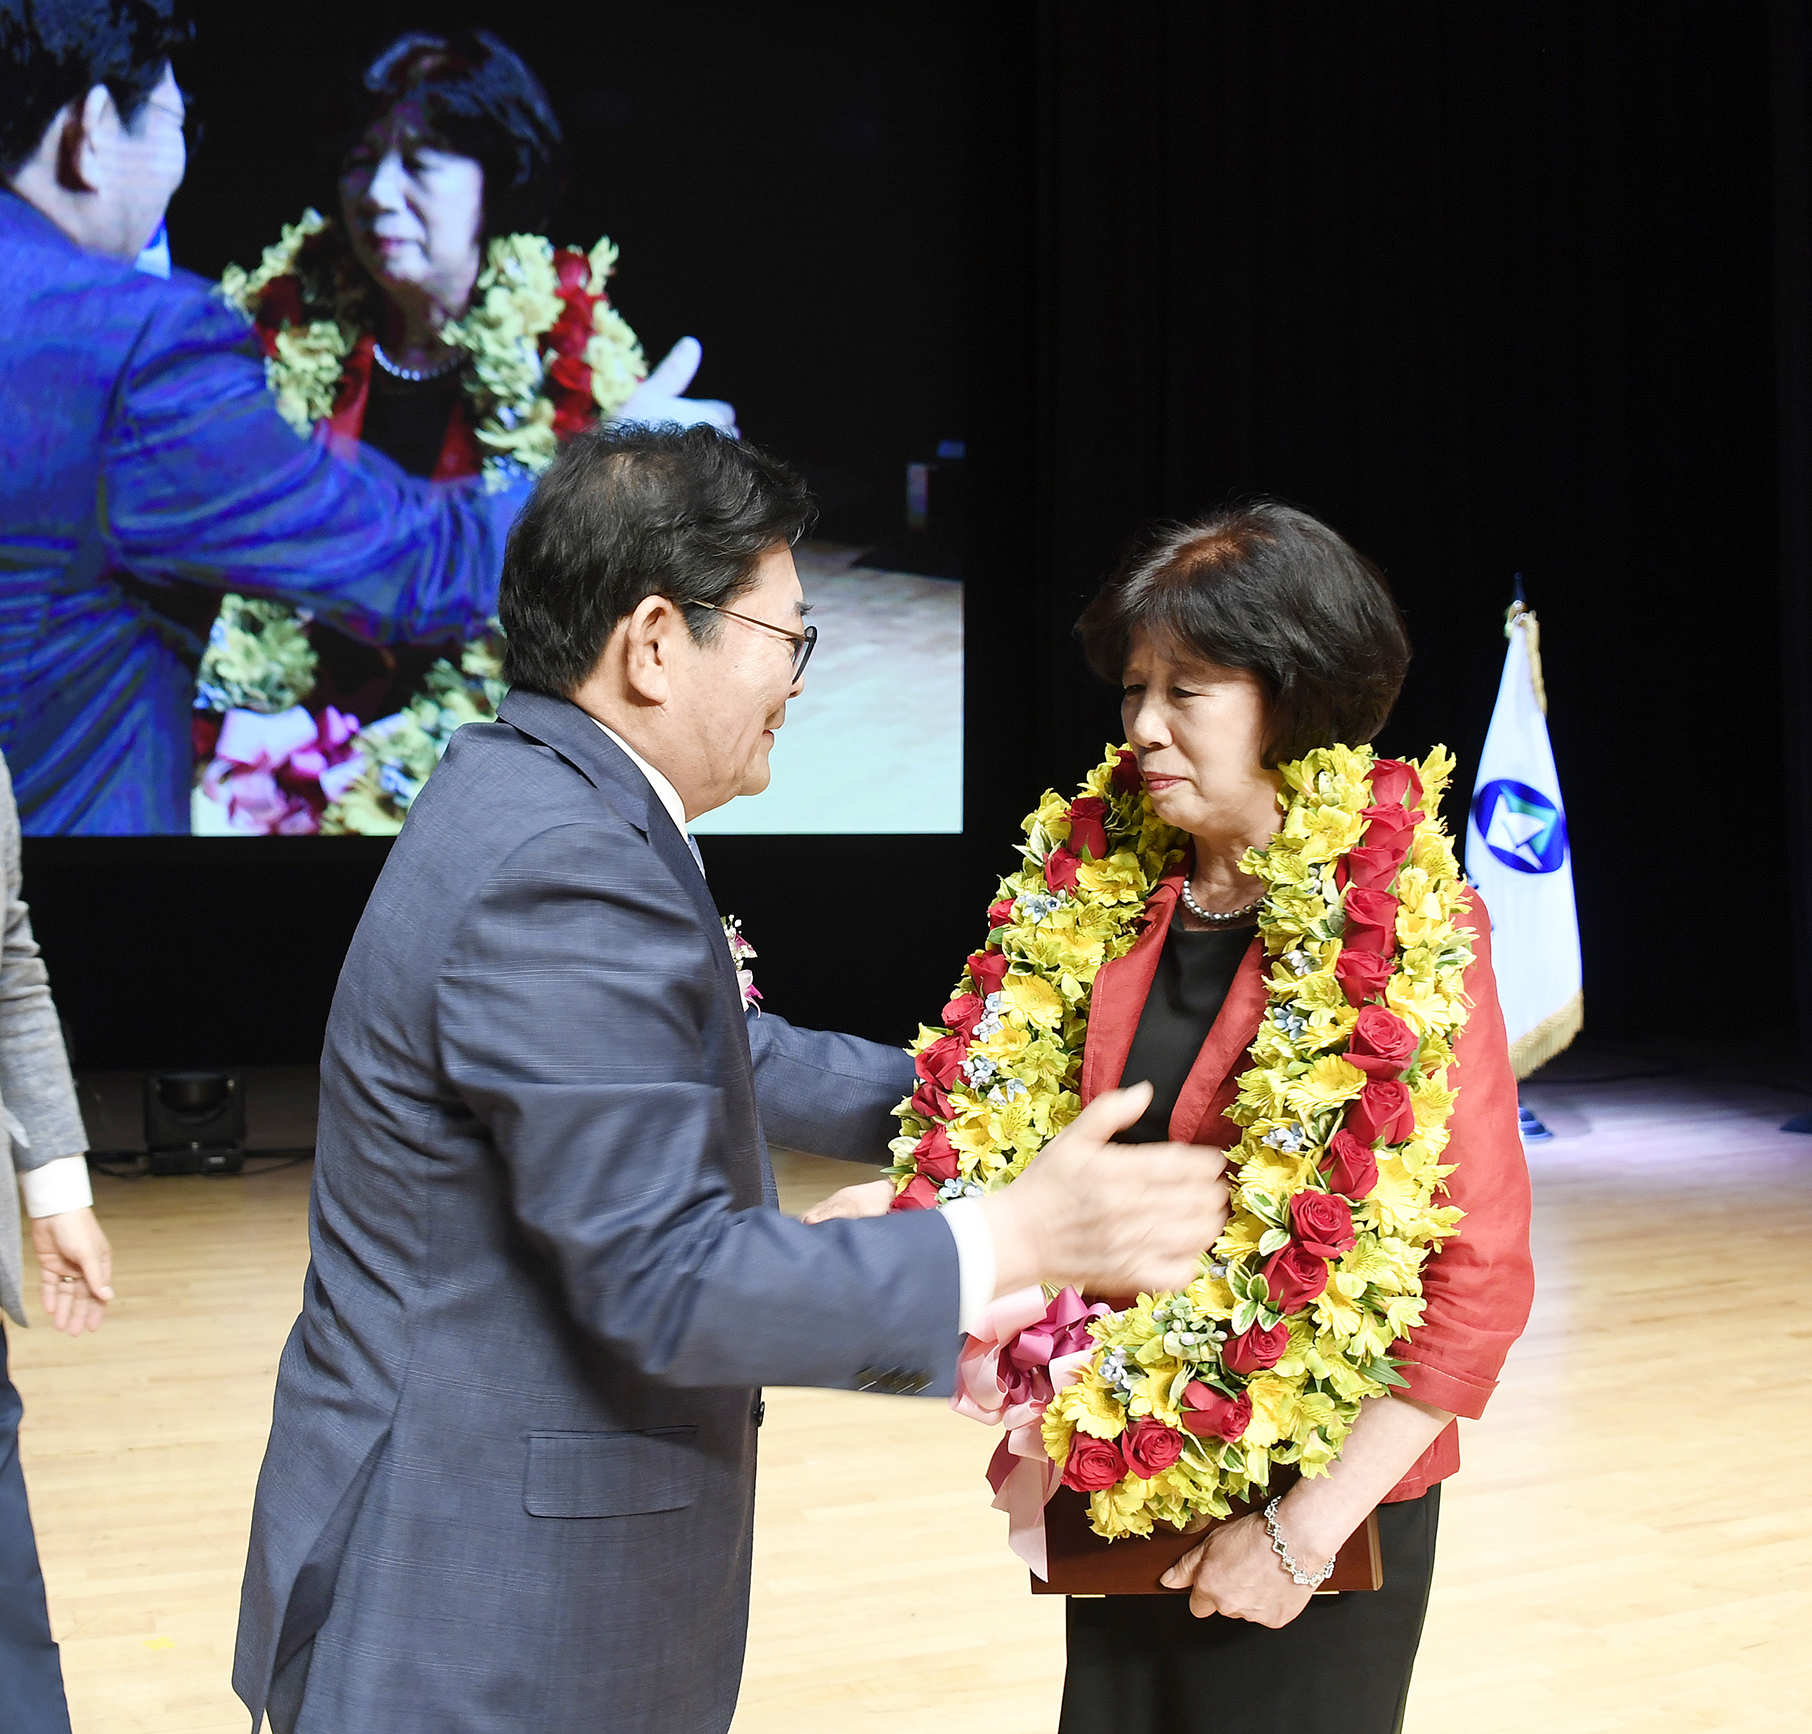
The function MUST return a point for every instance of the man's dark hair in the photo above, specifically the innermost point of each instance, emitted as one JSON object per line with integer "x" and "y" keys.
{"x": 1268, "y": 589}
{"x": 469, "y": 95}
{"x": 53, "y": 52}
{"x": 630, "y": 512}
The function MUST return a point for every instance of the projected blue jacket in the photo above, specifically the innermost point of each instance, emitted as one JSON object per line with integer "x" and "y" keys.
{"x": 142, "y": 471}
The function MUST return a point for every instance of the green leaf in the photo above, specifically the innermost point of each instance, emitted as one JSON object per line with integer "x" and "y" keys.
{"x": 1180, "y": 1384}
{"x": 1265, "y": 1208}
{"x": 1273, "y": 1240}
{"x": 1243, "y": 1315}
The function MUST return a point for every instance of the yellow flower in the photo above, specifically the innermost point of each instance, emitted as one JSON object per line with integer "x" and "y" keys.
{"x": 1034, "y": 999}
{"x": 1329, "y": 1081}
{"x": 1118, "y": 879}
{"x": 1274, "y": 1409}
{"x": 1090, "y": 1406}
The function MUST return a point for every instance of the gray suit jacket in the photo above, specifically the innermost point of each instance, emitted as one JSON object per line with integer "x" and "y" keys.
{"x": 510, "y": 1478}
{"x": 39, "y": 1120}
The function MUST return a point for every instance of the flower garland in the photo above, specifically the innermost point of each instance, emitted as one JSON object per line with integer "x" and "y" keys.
{"x": 1185, "y": 1400}
{"x": 549, "y": 356}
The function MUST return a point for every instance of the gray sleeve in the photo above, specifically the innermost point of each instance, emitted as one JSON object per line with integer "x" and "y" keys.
{"x": 34, "y": 1065}
{"x": 573, "y": 1016}
{"x": 827, "y": 1094}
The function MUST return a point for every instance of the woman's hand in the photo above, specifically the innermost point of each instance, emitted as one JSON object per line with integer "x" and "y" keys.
{"x": 1235, "y": 1573}
{"x": 869, "y": 1199}
{"x": 75, "y": 1269}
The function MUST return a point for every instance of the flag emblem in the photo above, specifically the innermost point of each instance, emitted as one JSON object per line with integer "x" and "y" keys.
{"x": 1521, "y": 827}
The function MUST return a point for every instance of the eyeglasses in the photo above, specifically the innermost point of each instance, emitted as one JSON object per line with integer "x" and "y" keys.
{"x": 185, "y": 117}
{"x": 802, "y": 642}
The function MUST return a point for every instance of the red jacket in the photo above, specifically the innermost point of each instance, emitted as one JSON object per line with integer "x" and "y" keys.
{"x": 1480, "y": 1284}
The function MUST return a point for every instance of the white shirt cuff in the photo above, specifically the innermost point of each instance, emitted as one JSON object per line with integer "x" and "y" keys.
{"x": 63, "y": 1185}
{"x": 976, "y": 1268}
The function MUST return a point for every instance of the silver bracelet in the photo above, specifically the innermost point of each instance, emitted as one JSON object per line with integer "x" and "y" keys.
{"x": 1280, "y": 1547}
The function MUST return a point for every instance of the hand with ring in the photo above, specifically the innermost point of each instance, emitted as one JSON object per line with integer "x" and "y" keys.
{"x": 75, "y": 1269}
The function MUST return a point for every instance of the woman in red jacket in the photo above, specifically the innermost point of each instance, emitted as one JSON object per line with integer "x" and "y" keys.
{"x": 1240, "y": 643}
{"x": 1243, "y": 643}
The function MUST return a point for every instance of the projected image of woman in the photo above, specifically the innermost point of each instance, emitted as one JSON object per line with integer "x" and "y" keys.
{"x": 430, "y": 321}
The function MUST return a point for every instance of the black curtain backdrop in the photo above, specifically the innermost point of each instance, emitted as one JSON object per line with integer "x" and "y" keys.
{"x": 1492, "y": 288}
{"x": 1488, "y": 288}
{"x": 1792, "y": 21}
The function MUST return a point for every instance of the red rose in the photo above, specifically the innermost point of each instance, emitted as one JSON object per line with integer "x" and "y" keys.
{"x": 1209, "y": 1415}
{"x": 987, "y": 969}
{"x": 571, "y": 375}
{"x": 573, "y": 416}
{"x": 963, "y": 1013}
{"x": 930, "y": 1102}
{"x": 280, "y": 303}
{"x": 937, "y": 1063}
{"x": 1060, "y": 868}
{"x": 936, "y": 1155}
{"x": 204, "y": 732}
{"x": 1383, "y": 1110}
{"x": 1391, "y": 779}
{"x": 1294, "y": 1276}
{"x": 1371, "y": 921}
{"x": 1383, "y": 1044}
{"x": 570, "y": 332}
{"x": 1000, "y": 912}
{"x": 918, "y": 1194}
{"x": 1389, "y": 827}
{"x": 1353, "y": 1170}
{"x": 1373, "y": 867}
{"x": 1093, "y": 1464}
{"x": 1151, "y": 1447}
{"x": 1255, "y": 1349}
{"x": 573, "y": 269}
{"x": 1086, "y": 830}
{"x": 1128, "y": 778}
{"x": 1361, "y": 974}
{"x": 1323, "y": 1224}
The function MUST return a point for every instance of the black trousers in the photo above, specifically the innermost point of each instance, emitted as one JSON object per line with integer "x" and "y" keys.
{"x": 1146, "y": 1665}
{"x": 31, "y": 1673}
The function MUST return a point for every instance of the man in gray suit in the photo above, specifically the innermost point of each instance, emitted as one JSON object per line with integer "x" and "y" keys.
{"x": 42, "y": 1129}
{"x": 510, "y": 1479}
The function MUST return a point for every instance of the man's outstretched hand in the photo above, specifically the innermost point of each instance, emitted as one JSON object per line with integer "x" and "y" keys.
{"x": 1111, "y": 1219}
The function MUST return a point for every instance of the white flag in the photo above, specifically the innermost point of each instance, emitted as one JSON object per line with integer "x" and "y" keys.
{"x": 1519, "y": 856}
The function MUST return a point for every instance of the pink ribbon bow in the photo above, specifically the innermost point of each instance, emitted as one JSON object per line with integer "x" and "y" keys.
{"x": 1018, "y": 1357}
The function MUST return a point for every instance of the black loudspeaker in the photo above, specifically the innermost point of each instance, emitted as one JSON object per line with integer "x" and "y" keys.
{"x": 195, "y": 1122}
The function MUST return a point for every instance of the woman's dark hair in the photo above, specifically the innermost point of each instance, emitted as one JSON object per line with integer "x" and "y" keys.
{"x": 53, "y": 52}
{"x": 1271, "y": 590}
{"x": 467, "y": 94}
{"x": 625, "y": 513}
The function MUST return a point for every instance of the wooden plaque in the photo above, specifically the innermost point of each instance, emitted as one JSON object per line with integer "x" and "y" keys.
{"x": 1081, "y": 1563}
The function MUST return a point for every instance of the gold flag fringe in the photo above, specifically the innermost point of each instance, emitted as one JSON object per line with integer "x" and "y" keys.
{"x": 1556, "y": 1031}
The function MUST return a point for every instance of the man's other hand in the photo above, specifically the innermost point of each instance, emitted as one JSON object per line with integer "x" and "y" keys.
{"x": 871, "y": 1198}
{"x": 75, "y": 1267}
{"x": 1111, "y": 1219}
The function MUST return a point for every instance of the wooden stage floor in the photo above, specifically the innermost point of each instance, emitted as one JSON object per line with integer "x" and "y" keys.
{"x": 1618, "y": 1553}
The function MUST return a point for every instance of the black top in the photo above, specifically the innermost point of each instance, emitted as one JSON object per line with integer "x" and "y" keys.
{"x": 406, "y": 419}
{"x": 1195, "y": 970}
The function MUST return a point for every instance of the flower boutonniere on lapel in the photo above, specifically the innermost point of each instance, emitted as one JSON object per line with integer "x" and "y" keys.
{"x": 740, "y": 953}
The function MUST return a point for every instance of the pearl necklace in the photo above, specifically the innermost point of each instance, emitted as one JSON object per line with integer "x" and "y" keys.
{"x": 1224, "y": 918}
{"x": 414, "y": 375}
